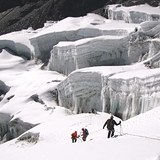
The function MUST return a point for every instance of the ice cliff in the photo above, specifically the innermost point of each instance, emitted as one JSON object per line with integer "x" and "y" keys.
{"x": 125, "y": 91}
{"x": 132, "y": 95}
{"x": 97, "y": 54}
{"x": 99, "y": 51}
{"x": 73, "y": 29}
{"x": 133, "y": 14}
{"x": 89, "y": 88}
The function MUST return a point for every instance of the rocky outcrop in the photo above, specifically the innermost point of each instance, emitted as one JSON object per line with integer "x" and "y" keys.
{"x": 22, "y": 14}
{"x": 10, "y": 129}
{"x": 153, "y": 3}
{"x": 3, "y": 88}
{"x": 4, "y": 129}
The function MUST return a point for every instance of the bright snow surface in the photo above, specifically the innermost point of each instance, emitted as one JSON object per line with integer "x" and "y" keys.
{"x": 141, "y": 142}
{"x": 141, "y": 134}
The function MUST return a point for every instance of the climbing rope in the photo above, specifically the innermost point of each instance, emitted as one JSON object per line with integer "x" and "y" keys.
{"x": 137, "y": 135}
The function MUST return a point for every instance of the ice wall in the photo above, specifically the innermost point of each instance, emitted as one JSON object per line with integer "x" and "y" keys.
{"x": 134, "y": 14}
{"x": 106, "y": 50}
{"x": 154, "y": 53}
{"x": 144, "y": 43}
{"x": 75, "y": 29}
{"x": 151, "y": 28}
{"x": 87, "y": 89}
{"x": 100, "y": 51}
{"x": 124, "y": 91}
{"x": 80, "y": 92}
{"x": 137, "y": 93}
{"x": 138, "y": 48}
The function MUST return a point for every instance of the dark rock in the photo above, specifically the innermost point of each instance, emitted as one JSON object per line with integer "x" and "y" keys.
{"x": 3, "y": 88}
{"x": 17, "y": 127}
{"x": 29, "y": 137}
{"x": 153, "y": 3}
{"x": 21, "y": 14}
{"x": 36, "y": 98}
{"x": 10, "y": 129}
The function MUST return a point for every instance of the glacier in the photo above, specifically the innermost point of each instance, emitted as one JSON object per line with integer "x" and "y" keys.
{"x": 89, "y": 86}
{"x": 102, "y": 63}
{"x": 18, "y": 45}
{"x": 111, "y": 91}
{"x": 135, "y": 93}
{"x": 100, "y": 51}
{"x": 133, "y": 14}
{"x": 74, "y": 29}
{"x": 122, "y": 97}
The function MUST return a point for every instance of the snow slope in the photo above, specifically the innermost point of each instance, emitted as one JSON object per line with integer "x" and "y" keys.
{"x": 140, "y": 141}
{"x": 140, "y": 138}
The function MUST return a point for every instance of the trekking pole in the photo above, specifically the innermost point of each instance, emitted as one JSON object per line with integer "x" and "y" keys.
{"x": 121, "y": 131}
{"x": 80, "y": 139}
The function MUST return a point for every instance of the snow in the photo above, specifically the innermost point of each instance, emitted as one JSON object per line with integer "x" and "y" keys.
{"x": 89, "y": 21}
{"x": 134, "y": 14}
{"x": 139, "y": 8}
{"x": 73, "y": 29}
{"x": 141, "y": 134}
{"x": 18, "y": 43}
{"x": 140, "y": 138}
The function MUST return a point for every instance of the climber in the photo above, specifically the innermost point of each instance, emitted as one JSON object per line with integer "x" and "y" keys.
{"x": 84, "y": 134}
{"x": 110, "y": 126}
{"x": 74, "y": 137}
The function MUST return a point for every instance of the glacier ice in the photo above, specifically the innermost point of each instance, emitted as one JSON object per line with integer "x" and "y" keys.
{"x": 91, "y": 88}
{"x": 134, "y": 14}
{"x": 123, "y": 91}
{"x": 134, "y": 94}
{"x": 18, "y": 45}
{"x": 100, "y": 51}
{"x": 87, "y": 89}
{"x": 75, "y": 29}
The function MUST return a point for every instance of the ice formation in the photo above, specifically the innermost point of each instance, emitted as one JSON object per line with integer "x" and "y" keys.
{"x": 100, "y": 51}
{"x": 134, "y": 14}
{"x": 73, "y": 29}
{"x": 87, "y": 89}
{"x": 18, "y": 45}
{"x": 124, "y": 91}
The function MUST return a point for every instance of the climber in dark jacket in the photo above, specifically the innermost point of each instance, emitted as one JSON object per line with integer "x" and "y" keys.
{"x": 110, "y": 126}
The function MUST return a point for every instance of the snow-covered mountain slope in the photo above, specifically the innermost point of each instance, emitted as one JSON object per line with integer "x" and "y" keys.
{"x": 140, "y": 140}
{"x": 38, "y": 106}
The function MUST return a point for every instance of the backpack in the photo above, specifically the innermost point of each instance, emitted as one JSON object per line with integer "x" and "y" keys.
{"x": 110, "y": 124}
{"x": 86, "y": 131}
